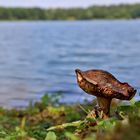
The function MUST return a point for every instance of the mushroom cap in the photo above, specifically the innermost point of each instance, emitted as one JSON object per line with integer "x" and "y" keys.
{"x": 101, "y": 83}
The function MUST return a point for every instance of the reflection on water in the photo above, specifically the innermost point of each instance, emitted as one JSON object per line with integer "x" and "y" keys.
{"x": 38, "y": 57}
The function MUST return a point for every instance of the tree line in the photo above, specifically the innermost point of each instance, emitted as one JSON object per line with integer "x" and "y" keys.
{"x": 93, "y": 12}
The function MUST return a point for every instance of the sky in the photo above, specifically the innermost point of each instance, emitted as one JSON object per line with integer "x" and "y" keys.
{"x": 61, "y": 3}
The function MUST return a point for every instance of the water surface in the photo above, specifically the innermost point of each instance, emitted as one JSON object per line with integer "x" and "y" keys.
{"x": 39, "y": 57}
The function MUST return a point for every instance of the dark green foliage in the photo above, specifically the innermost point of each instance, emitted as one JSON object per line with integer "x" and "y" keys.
{"x": 93, "y": 12}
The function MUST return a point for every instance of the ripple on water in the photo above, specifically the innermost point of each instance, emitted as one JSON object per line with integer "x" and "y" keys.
{"x": 38, "y": 57}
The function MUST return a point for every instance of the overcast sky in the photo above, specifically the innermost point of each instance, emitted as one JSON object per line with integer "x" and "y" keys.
{"x": 61, "y": 3}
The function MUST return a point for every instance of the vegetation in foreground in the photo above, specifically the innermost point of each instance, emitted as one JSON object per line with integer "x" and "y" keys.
{"x": 93, "y": 12}
{"x": 50, "y": 120}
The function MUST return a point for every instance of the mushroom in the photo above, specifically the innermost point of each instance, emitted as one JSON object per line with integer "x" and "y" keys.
{"x": 105, "y": 87}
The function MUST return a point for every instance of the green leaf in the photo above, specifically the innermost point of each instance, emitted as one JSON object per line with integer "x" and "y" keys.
{"x": 125, "y": 108}
{"x": 71, "y": 136}
{"x": 45, "y": 99}
{"x": 50, "y": 136}
{"x": 132, "y": 101}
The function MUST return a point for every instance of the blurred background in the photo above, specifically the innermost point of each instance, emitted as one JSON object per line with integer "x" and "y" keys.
{"x": 42, "y": 42}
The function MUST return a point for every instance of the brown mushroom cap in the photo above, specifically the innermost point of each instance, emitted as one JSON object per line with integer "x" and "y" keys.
{"x": 101, "y": 83}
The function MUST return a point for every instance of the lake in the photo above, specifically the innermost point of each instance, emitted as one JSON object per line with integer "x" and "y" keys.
{"x": 40, "y": 57}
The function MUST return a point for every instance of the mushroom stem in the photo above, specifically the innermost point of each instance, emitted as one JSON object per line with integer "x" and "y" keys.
{"x": 104, "y": 104}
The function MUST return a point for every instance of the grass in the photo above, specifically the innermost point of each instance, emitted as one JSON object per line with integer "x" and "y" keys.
{"x": 50, "y": 120}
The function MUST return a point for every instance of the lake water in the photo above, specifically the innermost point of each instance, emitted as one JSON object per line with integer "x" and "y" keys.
{"x": 39, "y": 57}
